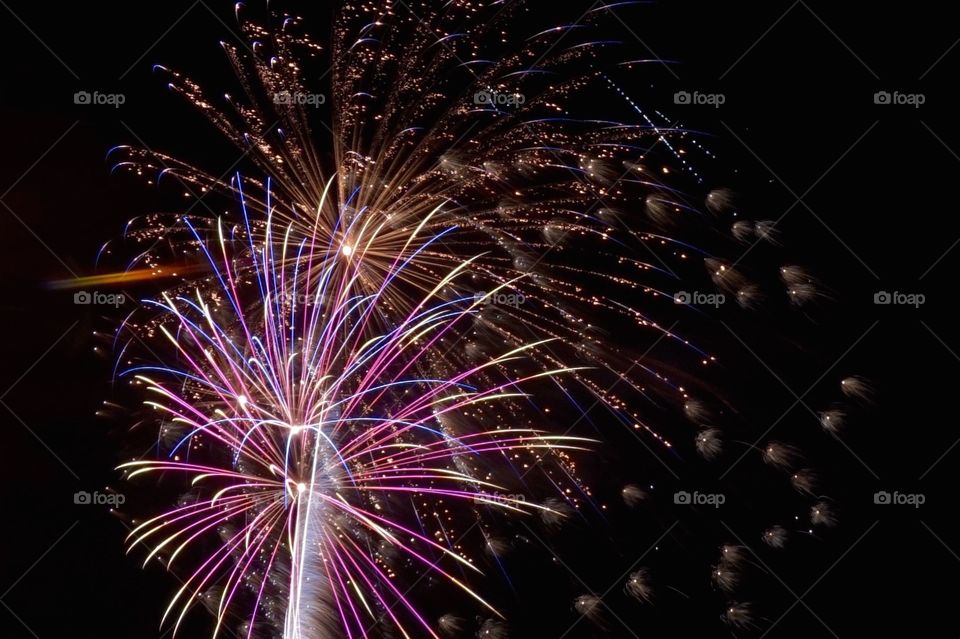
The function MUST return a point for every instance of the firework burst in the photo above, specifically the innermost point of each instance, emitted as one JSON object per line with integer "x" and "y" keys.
{"x": 314, "y": 450}
{"x": 546, "y": 197}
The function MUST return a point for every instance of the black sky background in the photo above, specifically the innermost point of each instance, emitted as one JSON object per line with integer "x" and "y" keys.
{"x": 878, "y": 212}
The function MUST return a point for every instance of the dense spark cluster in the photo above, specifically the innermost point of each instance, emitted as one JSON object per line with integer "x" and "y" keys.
{"x": 533, "y": 188}
{"x": 309, "y": 444}
{"x": 393, "y": 342}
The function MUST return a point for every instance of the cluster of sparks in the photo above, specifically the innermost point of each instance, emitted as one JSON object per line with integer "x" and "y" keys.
{"x": 318, "y": 437}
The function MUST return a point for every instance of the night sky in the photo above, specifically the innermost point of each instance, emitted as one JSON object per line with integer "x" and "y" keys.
{"x": 867, "y": 197}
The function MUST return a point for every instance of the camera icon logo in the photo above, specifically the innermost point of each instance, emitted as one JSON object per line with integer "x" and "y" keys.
{"x": 882, "y": 97}
{"x": 682, "y": 297}
{"x": 882, "y": 497}
{"x": 82, "y": 297}
{"x": 682, "y": 498}
{"x": 882, "y": 297}
{"x": 82, "y": 97}
{"x": 682, "y": 97}
{"x": 82, "y": 497}
{"x": 283, "y": 97}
